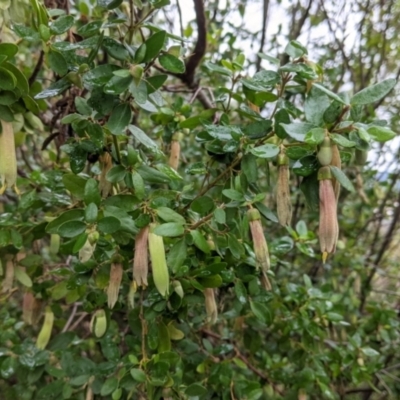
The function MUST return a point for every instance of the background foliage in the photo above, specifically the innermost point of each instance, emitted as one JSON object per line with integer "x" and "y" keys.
{"x": 99, "y": 93}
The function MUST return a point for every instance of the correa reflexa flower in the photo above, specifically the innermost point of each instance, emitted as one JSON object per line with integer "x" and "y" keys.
{"x": 8, "y": 158}
{"x": 158, "y": 262}
{"x": 211, "y": 305}
{"x": 328, "y": 224}
{"x": 141, "y": 257}
{"x": 114, "y": 284}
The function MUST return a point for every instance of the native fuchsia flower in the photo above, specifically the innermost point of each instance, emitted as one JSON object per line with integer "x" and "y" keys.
{"x": 259, "y": 243}
{"x": 211, "y": 305}
{"x": 141, "y": 257}
{"x": 158, "y": 262}
{"x": 328, "y": 223}
{"x": 8, "y": 158}
{"x": 175, "y": 153}
{"x": 114, "y": 284}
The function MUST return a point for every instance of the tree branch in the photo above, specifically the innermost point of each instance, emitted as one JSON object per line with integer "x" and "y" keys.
{"x": 201, "y": 45}
{"x": 264, "y": 32}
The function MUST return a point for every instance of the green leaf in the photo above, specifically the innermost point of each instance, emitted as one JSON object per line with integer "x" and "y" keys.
{"x": 282, "y": 117}
{"x": 109, "y": 386}
{"x": 263, "y": 81}
{"x": 202, "y": 205}
{"x": 138, "y": 185}
{"x": 249, "y": 167}
{"x": 177, "y": 255}
{"x": 154, "y": 83}
{"x": 373, "y": 93}
{"x": 109, "y": 225}
{"x": 22, "y": 82}
{"x": 169, "y": 215}
{"x": 241, "y": 292}
{"x": 154, "y": 45}
{"x": 196, "y": 390}
{"x": 7, "y": 98}
{"x": 329, "y": 93}
{"x": 220, "y": 215}
{"x": 54, "y": 89}
{"x": 304, "y": 71}
{"x": 141, "y": 137}
{"x": 295, "y": 49}
{"x": 57, "y": 62}
{"x": 342, "y": 178}
{"x": 71, "y": 229}
{"x": 116, "y": 174}
{"x": 169, "y": 229}
{"x": 200, "y": 242}
{"x": 164, "y": 340}
{"x": 120, "y": 118}
{"x": 62, "y": 24}
{"x": 75, "y": 184}
{"x": 22, "y": 276}
{"x": 115, "y": 49}
{"x": 370, "y": 352}
{"x": 261, "y": 312}
{"x": 8, "y": 49}
{"x": 381, "y": 133}
{"x": 298, "y": 130}
{"x": 70, "y": 215}
{"x": 315, "y": 106}
{"x": 90, "y": 29}
{"x": 99, "y": 75}
{"x": 6, "y": 113}
{"x": 82, "y": 106}
{"x": 172, "y": 63}
{"x": 315, "y": 136}
{"x": 138, "y": 375}
{"x": 266, "y": 212}
{"x": 92, "y": 193}
{"x": 117, "y": 85}
{"x": 91, "y": 213}
{"x": 265, "y": 151}
{"x": 7, "y": 80}
{"x": 341, "y": 140}
{"x": 152, "y": 175}
{"x": 25, "y": 32}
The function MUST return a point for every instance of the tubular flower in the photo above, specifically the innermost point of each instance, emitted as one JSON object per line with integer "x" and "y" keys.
{"x": 9, "y": 276}
{"x": 175, "y": 151}
{"x": 260, "y": 244}
{"x": 31, "y": 307}
{"x": 45, "y": 333}
{"x": 284, "y": 205}
{"x": 141, "y": 257}
{"x": 114, "y": 283}
{"x": 106, "y": 164}
{"x": 8, "y": 158}
{"x": 158, "y": 262}
{"x": 211, "y": 305}
{"x": 328, "y": 224}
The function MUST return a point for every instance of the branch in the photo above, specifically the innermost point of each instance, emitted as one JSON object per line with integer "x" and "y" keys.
{"x": 201, "y": 45}
{"x": 264, "y": 32}
{"x": 38, "y": 67}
